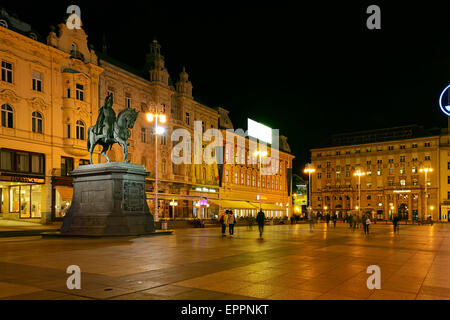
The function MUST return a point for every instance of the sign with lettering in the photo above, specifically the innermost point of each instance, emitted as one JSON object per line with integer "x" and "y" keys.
{"x": 16, "y": 178}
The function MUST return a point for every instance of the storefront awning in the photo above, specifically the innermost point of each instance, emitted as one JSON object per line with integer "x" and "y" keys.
{"x": 267, "y": 206}
{"x": 235, "y": 204}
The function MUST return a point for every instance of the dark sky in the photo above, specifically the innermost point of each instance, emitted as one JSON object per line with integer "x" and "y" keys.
{"x": 309, "y": 70}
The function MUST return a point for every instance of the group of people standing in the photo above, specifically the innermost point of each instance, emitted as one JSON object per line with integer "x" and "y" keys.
{"x": 227, "y": 218}
{"x": 355, "y": 221}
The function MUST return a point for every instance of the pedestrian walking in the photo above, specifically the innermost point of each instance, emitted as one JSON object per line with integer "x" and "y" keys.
{"x": 334, "y": 220}
{"x": 311, "y": 220}
{"x": 231, "y": 221}
{"x": 327, "y": 219}
{"x": 395, "y": 223}
{"x": 223, "y": 222}
{"x": 368, "y": 222}
{"x": 260, "y": 219}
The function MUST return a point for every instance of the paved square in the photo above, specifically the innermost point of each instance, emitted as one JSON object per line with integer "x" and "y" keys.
{"x": 290, "y": 263}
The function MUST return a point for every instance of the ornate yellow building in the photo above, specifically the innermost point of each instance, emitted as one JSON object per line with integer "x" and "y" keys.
{"x": 50, "y": 93}
{"x": 394, "y": 181}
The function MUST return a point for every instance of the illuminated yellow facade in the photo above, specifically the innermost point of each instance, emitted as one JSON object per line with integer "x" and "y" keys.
{"x": 50, "y": 93}
{"x": 393, "y": 163}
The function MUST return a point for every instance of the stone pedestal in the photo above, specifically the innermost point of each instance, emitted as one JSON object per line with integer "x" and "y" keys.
{"x": 108, "y": 200}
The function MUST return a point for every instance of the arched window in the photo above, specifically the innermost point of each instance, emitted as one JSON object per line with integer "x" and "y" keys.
{"x": 3, "y": 23}
{"x": 36, "y": 122}
{"x": 80, "y": 130}
{"x": 7, "y": 116}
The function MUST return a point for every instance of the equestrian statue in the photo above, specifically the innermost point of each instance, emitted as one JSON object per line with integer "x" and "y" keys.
{"x": 109, "y": 130}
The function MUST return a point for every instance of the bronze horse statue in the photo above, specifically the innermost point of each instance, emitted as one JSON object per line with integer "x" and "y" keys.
{"x": 109, "y": 130}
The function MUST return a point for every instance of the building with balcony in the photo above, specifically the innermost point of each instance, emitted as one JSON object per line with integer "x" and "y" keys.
{"x": 395, "y": 178}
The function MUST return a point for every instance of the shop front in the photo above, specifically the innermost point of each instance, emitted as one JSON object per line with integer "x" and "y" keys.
{"x": 22, "y": 185}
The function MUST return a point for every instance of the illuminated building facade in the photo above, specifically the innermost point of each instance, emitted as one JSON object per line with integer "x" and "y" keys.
{"x": 50, "y": 93}
{"x": 393, "y": 163}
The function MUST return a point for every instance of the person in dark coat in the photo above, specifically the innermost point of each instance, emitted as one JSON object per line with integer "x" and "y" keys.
{"x": 395, "y": 223}
{"x": 334, "y": 218}
{"x": 260, "y": 219}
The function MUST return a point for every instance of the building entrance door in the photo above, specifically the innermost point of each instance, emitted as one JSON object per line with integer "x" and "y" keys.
{"x": 403, "y": 212}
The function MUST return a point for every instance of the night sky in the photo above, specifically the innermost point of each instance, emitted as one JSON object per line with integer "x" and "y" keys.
{"x": 309, "y": 70}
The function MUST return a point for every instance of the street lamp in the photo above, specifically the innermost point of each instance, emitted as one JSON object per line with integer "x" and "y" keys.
{"x": 309, "y": 169}
{"x": 173, "y": 204}
{"x": 153, "y": 118}
{"x": 359, "y": 173}
{"x": 426, "y": 170}
{"x": 260, "y": 154}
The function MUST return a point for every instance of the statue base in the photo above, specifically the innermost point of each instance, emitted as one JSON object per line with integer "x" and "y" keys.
{"x": 108, "y": 200}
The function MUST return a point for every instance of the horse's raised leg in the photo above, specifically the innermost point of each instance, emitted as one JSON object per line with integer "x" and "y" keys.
{"x": 105, "y": 148}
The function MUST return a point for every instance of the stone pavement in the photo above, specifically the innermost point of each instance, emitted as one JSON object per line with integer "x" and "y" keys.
{"x": 290, "y": 263}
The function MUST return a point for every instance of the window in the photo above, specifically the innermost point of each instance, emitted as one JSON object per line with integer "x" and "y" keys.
{"x": 390, "y": 147}
{"x": 402, "y": 158}
{"x": 37, "y": 163}
{"x": 319, "y": 154}
{"x": 68, "y": 131}
{"x": 448, "y": 165}
{"x": 328, "y": 175}
{"x": 427, "y": 157}
{"x": 7, "y": 116}
{"x": 414, "y": 169}
{"x": 264, "y": 182}
{"x": 248, "y": 179}
{"x": 415, "y": 182}
{"x": 379, "y": 172}
{"x": 236, "y": 181}
{"x": 36, "y": 122}
{"x": 143, "y": 135}
{"x": 368, "y": 197}
{"x": 338, "y": 153}
{"x": 7, "y": 72}
{"x": 369, "y": 162}
{"x": 328, "y": 164}
{"x": 163, "y": 140}
{"x": 390, "y": 183}
{"x": 338, "y": 175}
{"x": 66, "y": 166}
{"x": 379, "y": 148}
{"x": 227, "y": 176}
{"x": 164, "y": 170}
{"x": 369, "y": 172}
{"x": 427, "y": 144}
{"x": 253, "y": 181}
{"x": 203, "y": 126}
{"x": 448, "y": 194}
{"x": 380, "y": 161}
{"x": 391, "y": 160}
{"x": 402, "y": 170}
{"x": 414, "y": 159}
{"x": 6, "y": 160}
{"x": 242, "y": 178}
{"x": 414, "y": 145}
{"x": 403, "y": 182}
{"x": 319, "y": 175}
{"x": 402, "y": 146}
{"x": 83, "y": 162}
{"x": 68, "y": 92}
{"x": 80, "y": 130}
{"x": 80, "y": 92}
{"x": 127, "y": 100}
{"x": 187, "y": 118}
{"x": 358, "y": 151}
{"x": 74, "y": 49}
{"x": 369, "y": 185}
{"x": 37, "y": 81}
{"x": 368, "y": 149}
{"x": 448, "y": 179}
{"x": 391, "y": 171}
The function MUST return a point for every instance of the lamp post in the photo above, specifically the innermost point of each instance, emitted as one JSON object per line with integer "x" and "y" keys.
{"x": 426, "y": 170}
{"x": 153, "y": 118}
{"x": 309, "y": 169}
{"x": 260, "y": 154}
{"x": 359, "y": 173}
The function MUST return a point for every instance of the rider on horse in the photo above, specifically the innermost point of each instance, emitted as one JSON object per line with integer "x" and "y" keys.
{"x": 104, "y": 127}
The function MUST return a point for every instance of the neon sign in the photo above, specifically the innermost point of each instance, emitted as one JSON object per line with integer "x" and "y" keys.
{"x": 444, "y": 101}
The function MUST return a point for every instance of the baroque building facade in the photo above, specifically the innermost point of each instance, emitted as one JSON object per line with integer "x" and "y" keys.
{"x": 394, "y": 182}
{"x": 50, "y": 94}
